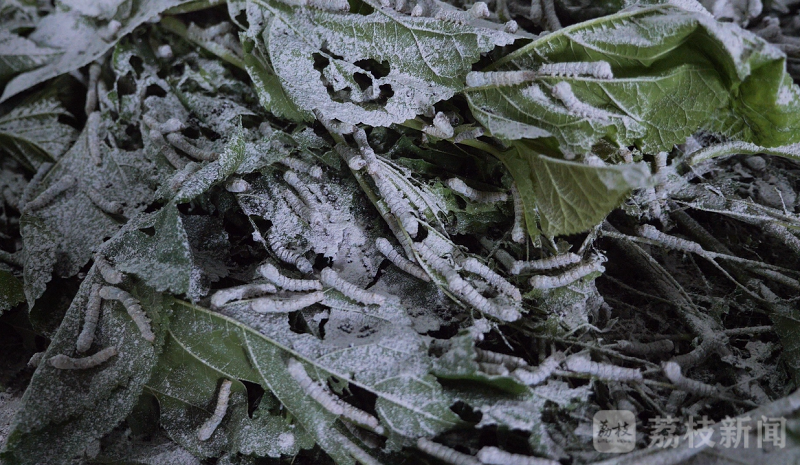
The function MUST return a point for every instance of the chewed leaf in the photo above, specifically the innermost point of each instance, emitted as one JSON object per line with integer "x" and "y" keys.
{"x": 32, "y": 133}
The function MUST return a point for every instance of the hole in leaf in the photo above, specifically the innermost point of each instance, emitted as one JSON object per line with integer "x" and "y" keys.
{"x": 137, "y": 64}
{"x": 126, "y": 85}
{"x": 362, "y": 80}
{"x": 262, "y": 224}
{"x": 155, "y": 90}
{"x": 466, "y": 413}
{"x": 321, "y": 261}
{"x": 378, "y": 69}
{"x": 254, "y": 394}
{"x": 151, "y": 231}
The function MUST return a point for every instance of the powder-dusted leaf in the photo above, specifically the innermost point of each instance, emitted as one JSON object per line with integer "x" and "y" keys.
{"x": 229, "y": 161}
{"x": 18, "y": 54}
{"x": 65, "y": 410}
{"x": 32, "y": 134}
{"x": 570, "y": 197}
{"x": 414, "y": 61}
{"x": 11, "y": 291}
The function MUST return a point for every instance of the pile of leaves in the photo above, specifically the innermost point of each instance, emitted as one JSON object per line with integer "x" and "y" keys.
{"x": 324, "y": 231}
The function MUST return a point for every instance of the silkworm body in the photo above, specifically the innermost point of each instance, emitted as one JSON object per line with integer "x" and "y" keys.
{"x": 93, "y": 137}
{"x": 518, "y": 230}
{"x": 511, "y": 27}
{"x": 132, "y": 307}
{"x": 399, "y": 261}
{"x": 509, "y": 361}
{"x": 48, "y": 195}
{"x": 331, "y": 279}
{"x": 557, "y": 261}
{"x": 92, "y": 314}
{"x": 288, "y": 256}
{"x": 397, "y": 204}
{"x": 441, "y": 127}
{"x": 91, "y": 88}
{"x": 269, "y": 271}
{"x": 673, "y": 372}
{"x": 472, "y": 265}
{"x": 566, "y": 278}
{"x": 490, "y": 455}
{"x": 366, "y": 151}
{"x": 445, "y": 454}
{"x": 62, "y": 362}
{"x": 297, "y": 302}
{"x": 336, "y": 127}
{"x": 709, "y": 345}
{"x": 356, "y": 452}
{"x": 550, "y": 17}
{"x": 603, "y": 371}
{"x": 500, "y": 78}
{"x": 650, "y": 232}
{"x": 44, "y": 168}
{"x": 470, "y": 295}
{"x": 208, "y": 428}
{"x": 433, "y": 260}
{"x": 354, "y": 160}
{"x": 313, "y": 389}
{"x": 595, "y": 69}
{"x": 111, "y": 207}
{"x": 475, "y": 195}
{"x": 302, "y": 210}
{"x": 469, "y": 135}
{"x": 110, "y": 274}
{"x": 533, "y": 376}
{"x": 178, "y": 141}
{"x": 646, "y": 348}
{"x": 329, "y": 5}
{"x": 246, "y": 291}
{"x": 417, "y": 11}
{"x": 563, "y": 92}
{"x": 493, "y": 369}
{"x": 302, "y": 166}
{"x": 237, "y": 185}
{"x": 181, "y": 176}
{"x": 301, "y": 188}
{"x": 36, "y": 359}
{"x": 166, "y": 149}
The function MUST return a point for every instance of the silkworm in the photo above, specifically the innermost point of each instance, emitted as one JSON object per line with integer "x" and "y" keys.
{"x": 245, "y": 291}
{"x": 518, "y": 230}
{"x": 272, "y": 274}
{"x": 110, "y": 274}
{"x": 169, "y": 126}
{"x": 441, "y": 127}
{"x": 301, "y": 188}
{"x": 302, "y": 210}
{"x": 673, "y": 372}
{"x": 112, "y": 207}
{"x": 500, "y": 78}
{"x": 603, "y": 371}
{"x": 509, "y": 361}
{"x": 493, "y": 369}
{"x": 397, "y": 204}
{"x": 360, "y": 137}
{"x": 472, "y": 265}
{"x": 33, "y": 185}
{"x": 444, "y": 453}
{"x": 417, "y": 11}
{"x": 568, "y": 277}
{"x": 595, "y": 69}
{"x": 288, "y": 256}
{"x": 360, "y": 417}
{"x": 330, "y": 278}
{"x": 399, "y": 261}
{"x": 48, "y": 195}
{"x": 650, "y": 232}
{"x": 313, "y": 389}
{"x": 356, "y": 452}
{"x": 93, "y": 137}
{"x": 511, "y": 27}
{"x": 336, "y": 127}
{"x": 62, "y": 362}
{"x": 354, "y": 160}
{"x": 470, "y": 295}
{"x": 490, "y": 455}
{"x": 293, "y": 304}
{"x": 237, "y": 185}
{"x": 709, "y": 345}
{"x": 111, "y": 30}
{"x": 178, "y": 141}
{"x": 329, "y": 5}
{"x": 36, "y": 359}
{"x": 166, "y": 149}
{"x": 646, "y": 348}
{"x": 459, "y": 186}
{"x": 86, "y": 337}
{"x": 470, "y": 134}
{"x": 208, "y": 428}
{"x": 91, "y": 89}
{"x": 302, "y": 166}
{"x": 533, "y": 376}
{"x": 182, "y": 175}
{"x": 550, "y": 16}
{"x": 563, "y": 92}
{"x": 557, "y": 261}
{"x": 132, "y": 307}
{"x": 536, "y": 11}
{"x": 433, "y": 260}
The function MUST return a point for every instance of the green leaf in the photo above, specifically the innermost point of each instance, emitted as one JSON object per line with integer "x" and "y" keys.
{"x": 570, "y": 197}
{"x": 18, "y": 54}
{"x": 32, "y": 134}
{"x": 460, "y": 362}
{"x": 218, "y": 170}
{"x": 11, "y": 291}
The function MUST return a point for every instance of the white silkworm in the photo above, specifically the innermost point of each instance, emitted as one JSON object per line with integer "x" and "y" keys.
{"x": 330, "y": 278}
{"x": 132, "y": 307}
{"x": 399, "y": 261}
{"x": 292, "y": 304}
{"x": 112, "y": 207}
{"x": 356, "y": 452}
{"x": 511, "y": 27}
{"x": 245, "y": 291}
{"x": 166, "y": 149}
{"x": 650, "y": 232}
{"x": 646, "y": 348}
{"x": 510, "y": 361}
{"x": 33, "y": 185}
{"x": 36, "y": 359}
{"x": 459, "y": 186}
{"x": 302, "y": 166}
{"x": 417, "y": 11}
{"x": 479, "y": 10}
{"x": 490, "y": 455}
{"x": 182, "y": 175}
{"x": 557, "y": 261}
{"x": 673, "y": 372}
{"x": 470, "y": 134}
{"x": 48, "y": 195}
{"x": 568, "y": 277}
{"x": 336, "y": 127}
{"x": 273, "y": 275}
{"x": 208, "y": 428}
{"x": 62, "y": 362}
{"x": 603, "y": 371}
{"x": 91, "y": 89}
{"x": 286, "y": 255}
{"x": 444, "y": 453}
{"x": 93, "y": 137}
{"x": 433, "y": 260}
{"x": 709, "y": 345}
{"x": 500, "y": 78}
{"x": 169, "y": 126}
{"x": 366, "y": 151}
{"x": 493, "y": 369}
{"x": 397, "y": 204}
{"x": 110, "y": 274}
{"x": 361, "y": 417}
{"x": 301, "y": 208}
{"x": 237, "y": 185}
{"x": 178, "y": 141}
{"x": 301, "y": 188}
{"x": 535, "y": 13}
{"x": 313, "y": 389}
{"x": 550, "y": 16}
{"x": 470, "y": 295}
{"x": 595, "y": 69}
{"x": 472, "y": 265}
{"x": 563, "y": 92}
{"x": 329, "y": 5}
{"x": 441, "y": 127}
{"x": 532, "y": 376}
{"x": 86, "y": 337}
{"x": 518, "y": 230}
{"x": 354, "y": 160}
